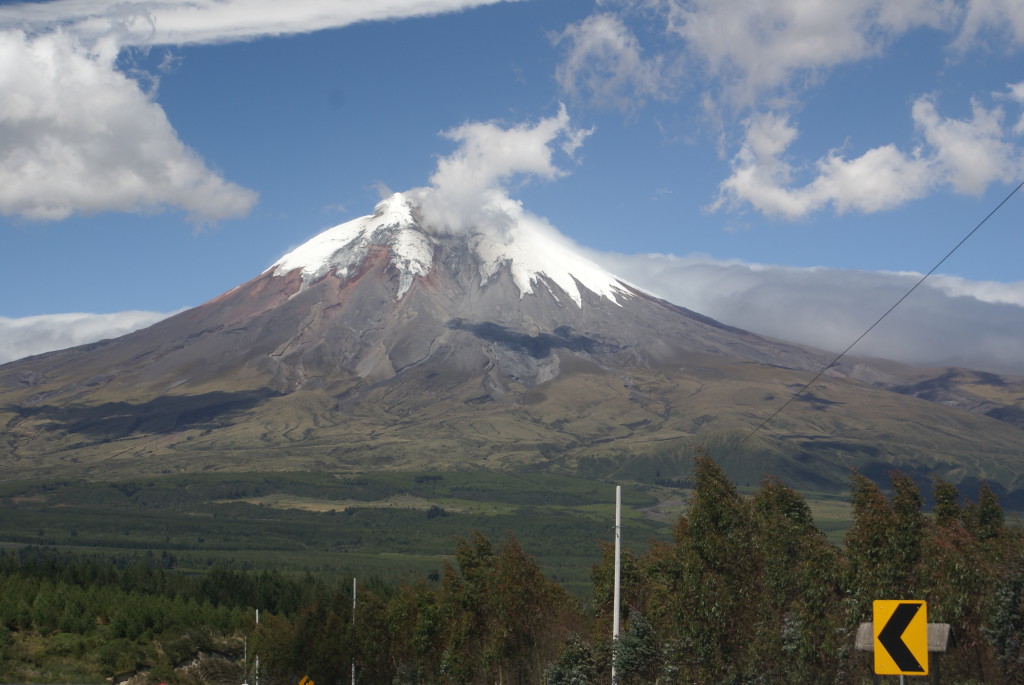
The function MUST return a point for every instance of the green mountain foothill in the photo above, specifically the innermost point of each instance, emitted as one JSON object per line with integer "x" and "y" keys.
{"x": 631, "y": 423}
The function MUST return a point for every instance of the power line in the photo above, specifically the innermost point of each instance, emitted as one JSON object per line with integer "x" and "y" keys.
{"x": 872, "y": 326}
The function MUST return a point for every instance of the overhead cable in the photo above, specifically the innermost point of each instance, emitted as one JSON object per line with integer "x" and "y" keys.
{"x": 870, "y": 328}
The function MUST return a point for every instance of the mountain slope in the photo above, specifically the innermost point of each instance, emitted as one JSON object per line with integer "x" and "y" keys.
{"x": 384, "y": 343}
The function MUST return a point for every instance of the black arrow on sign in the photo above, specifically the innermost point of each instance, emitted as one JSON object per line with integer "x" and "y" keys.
{"x": 891, "y": 637}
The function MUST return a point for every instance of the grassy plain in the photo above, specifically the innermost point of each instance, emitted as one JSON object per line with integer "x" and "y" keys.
{"x": 391, "y": 525}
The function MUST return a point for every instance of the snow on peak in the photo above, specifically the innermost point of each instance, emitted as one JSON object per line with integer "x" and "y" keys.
{"x": 531, "y": 250}
{"x": 534, "y": 249}
{"x": 346, "y": 246}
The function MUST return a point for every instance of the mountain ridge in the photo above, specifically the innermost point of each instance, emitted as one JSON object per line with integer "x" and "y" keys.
{"x": 359, "y": 350}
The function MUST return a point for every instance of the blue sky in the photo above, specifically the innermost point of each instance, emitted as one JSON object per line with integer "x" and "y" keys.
{"x": 785, "y": 167}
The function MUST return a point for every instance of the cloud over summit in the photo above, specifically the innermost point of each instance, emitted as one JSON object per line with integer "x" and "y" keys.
{"x": 469, "y": 189}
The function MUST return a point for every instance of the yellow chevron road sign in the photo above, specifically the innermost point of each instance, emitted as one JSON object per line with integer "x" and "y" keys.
{"x": 901, "y": 637}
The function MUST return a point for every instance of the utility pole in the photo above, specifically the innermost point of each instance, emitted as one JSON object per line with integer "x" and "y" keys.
{"x": 354, "y": 588}
{"x": 257, "y": 672}
{"x": 618, "y": 579}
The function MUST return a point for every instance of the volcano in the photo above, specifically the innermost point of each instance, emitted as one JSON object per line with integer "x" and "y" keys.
{"x": 387, "y": 343}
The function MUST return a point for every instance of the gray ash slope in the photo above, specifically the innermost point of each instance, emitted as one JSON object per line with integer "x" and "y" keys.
{"x": 381, "y": 344}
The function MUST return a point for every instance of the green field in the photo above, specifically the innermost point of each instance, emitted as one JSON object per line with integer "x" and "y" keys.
{"x": 391, "y": 525}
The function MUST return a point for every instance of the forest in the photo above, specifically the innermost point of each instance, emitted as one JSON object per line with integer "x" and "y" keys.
{"x": 747, "y": 590}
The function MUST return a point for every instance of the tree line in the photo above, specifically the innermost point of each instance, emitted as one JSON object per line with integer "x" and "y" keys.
{"x": 748, "y": 590}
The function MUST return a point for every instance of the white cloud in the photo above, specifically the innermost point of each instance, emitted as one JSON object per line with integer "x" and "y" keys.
{"x": 949, "y": 320}
{"x": 752, "y": 55}
{"x": 762, "y": 54}
{"x": 967, "y": 154}
{"x": 881, "y": 178}
{"x": 37, "y": 334}
{"x": 983, "y": 291}
{"x": 1001, "y": 17}
{"x": 1015, "y": 93}
{"x": 78, "y": 136}
{"x": 755, "y": 47}
{"x": 971, "y": 153}
{"x": 469, "y": 186}
{"x": 762, "y": 177}
{"x": 181, "y": 22}
{"x": 604, "y": 64}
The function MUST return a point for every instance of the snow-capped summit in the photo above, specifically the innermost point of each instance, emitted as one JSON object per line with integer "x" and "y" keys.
{"x": 534, "y": 253}
{"x": 345, "y": 246}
